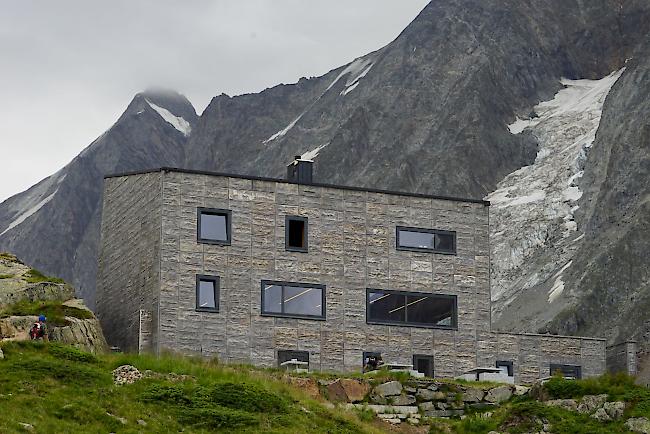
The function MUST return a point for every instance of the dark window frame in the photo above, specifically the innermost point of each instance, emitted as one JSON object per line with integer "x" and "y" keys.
{"x": 322, "y": 317}
{"x": 553, "y": 367}
{"x": 507, "y": 363}
{"x": 305, "y": 221}
{"x": 217, "y": 291}
{"x": 427, "y": 357}
{"x": 425, "y": 231}
{"x": 293, "y": 352}
{"x": 406, "y": 323}
{"x": 214, "y": 211}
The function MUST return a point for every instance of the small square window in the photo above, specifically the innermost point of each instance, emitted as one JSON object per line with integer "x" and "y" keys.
{"x": 506, "y": 367}
{"x": 290, "y": 356}
{"x": 213, "y": 226}
{"x": 296, "y": 234}
{"x": 207, "y": 293}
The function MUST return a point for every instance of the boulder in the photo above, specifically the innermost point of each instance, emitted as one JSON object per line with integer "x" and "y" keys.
{"x": 2, "y": 355}
{"x": 426, "y": 406}
{"x": 307, "y": 385}
{"x": 403, "y": 400}
{"x": 566, "y": 404}
{"x": 638, "y": 424}
{"x": 347, "y": 390}
{"x": 521, "y": 390}
{"x": 590, "y": 403}
{"x": 615, "y": 409}
{"x": 391, "y": 388}
{"x": 472, "y": 394}
{"x": 430, "y": 395}
{"x": 601, "y": 415}
{"x": 499, "y": 394}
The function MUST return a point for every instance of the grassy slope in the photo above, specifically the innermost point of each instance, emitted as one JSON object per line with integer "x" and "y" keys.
{"x": 60, "y": 389}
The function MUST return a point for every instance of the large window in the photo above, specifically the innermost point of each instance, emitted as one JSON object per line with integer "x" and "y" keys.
{"x": 213, "y": 226}
{"x": 411, "y": 308}
{"x": 426, "y": 240}
{"x": 297, "y": 300}
{"x": 296, "y": 234}
{"x": 567, "y": 371}
{"x": 290, "y": 355}
{"x": 207, "y": 293}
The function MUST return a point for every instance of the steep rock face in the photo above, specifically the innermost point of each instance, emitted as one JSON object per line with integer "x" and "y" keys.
{"x": 55, "y": 225}
{"x": 610, "y": 275}
{"x": 428, "y": 112}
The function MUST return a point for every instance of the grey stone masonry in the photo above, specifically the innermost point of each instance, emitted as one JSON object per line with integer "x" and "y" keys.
{"x": 129, "y": 258}
{"x": 150, "y": 259}
{"x": 622, "y": 357}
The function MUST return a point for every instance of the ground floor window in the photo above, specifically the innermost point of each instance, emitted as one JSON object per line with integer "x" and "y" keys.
{"x": 293, "y": 360}
{"x": 294, "y": 300}
{"x": 207, "y": 293}
{"x": 423, "y": 364}
{"x": 372, "y": 360}
{"x": 411, "y": 308}
{"x": 567, "y": 371}
{"x": 506, "y": 367}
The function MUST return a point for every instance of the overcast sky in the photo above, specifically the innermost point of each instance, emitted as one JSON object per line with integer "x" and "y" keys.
{"x": 69, "y": 68}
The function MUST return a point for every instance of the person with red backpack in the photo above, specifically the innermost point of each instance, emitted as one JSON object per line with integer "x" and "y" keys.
{"x": 39, "y": 329}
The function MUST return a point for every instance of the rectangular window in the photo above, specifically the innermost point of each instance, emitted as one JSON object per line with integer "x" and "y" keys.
{"x": 371, "y": 360}
{"x": 423, "y": 364}
{"x": 426, "y": 240}
{"x": 296, "y": 234}
{"x": 506, "y": 367}
{"x": 207, "y": 293}
{"x": 411, "y": 308}
{"x": 290, "y": 355}
{"x": 567, "y": 371}
{"x": 213, "y": 226}
{"x": 294, "y": 300}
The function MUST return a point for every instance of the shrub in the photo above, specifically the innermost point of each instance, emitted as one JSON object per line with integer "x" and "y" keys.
{"x": 248, "y": 397}
{"x": 173, "y": 394}
{"x": 218, "y": 417}
{"x": 71, "y": 353}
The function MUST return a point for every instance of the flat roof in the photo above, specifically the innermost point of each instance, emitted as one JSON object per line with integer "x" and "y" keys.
{"x": 285, "y": 181}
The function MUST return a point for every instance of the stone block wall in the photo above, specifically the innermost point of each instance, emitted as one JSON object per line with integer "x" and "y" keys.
{"x": 622, "y": 357}
{"x": 532, "y": 354}
{"x": 128, "y": 278}
{"x": 351, "y": 248}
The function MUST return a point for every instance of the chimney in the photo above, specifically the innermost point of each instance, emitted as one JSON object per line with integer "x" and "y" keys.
{"x": 300, "y": 170}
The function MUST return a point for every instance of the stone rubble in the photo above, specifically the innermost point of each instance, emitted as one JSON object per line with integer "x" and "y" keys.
{"x": 591, "y": 403}
{"x": 126, "y": 374}
{"x": 638, "y": 424}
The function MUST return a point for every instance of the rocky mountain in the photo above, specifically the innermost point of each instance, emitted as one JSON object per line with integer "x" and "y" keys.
{"x": 55, "y": 224}
{"x": 474, "y": 97}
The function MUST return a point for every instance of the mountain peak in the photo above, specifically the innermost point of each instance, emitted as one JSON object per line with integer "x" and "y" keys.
{"x": 170, "y": 100}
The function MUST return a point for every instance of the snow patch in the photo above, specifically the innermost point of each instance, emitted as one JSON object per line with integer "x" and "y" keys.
{"x": 310, "y": 155}
{"x": 558, "y": 286}
{"x": 357, "y": 70}
{"x": 25, "y": 215}
{"x": 175, "y": 121}
{"x": 284, "y": 131}
{"x": 532, "y": 217}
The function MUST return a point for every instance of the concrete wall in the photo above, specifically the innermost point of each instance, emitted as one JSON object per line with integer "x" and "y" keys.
{"x": 622, "y": 357}
{"x": 532, "y": 354}
{"x": 351, "y": 248}
{"x": 128, "y": 277}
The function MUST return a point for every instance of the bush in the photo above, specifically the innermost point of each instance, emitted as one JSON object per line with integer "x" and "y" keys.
{"x": 248, "y": 397}
{"x": 71, "y": 353}
{"x": 615, "y": 385}
{"x": 218, "y": 417}
{"x": 172, "y": 394}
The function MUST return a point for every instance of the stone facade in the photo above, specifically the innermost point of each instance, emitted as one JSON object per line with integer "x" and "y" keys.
{"x": 622, "y": 357}
{"x": 150, "y": 258}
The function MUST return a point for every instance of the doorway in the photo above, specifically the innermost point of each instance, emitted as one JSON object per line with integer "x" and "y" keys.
{"x": 423, "y": 364}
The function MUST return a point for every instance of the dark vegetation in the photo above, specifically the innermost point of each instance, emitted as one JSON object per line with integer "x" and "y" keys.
{"x": 57, "y": 388}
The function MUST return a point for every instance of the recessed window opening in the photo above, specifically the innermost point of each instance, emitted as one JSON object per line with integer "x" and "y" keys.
{"x": 423, "y": 364}
{"x": 299, "y": 300}
{"x": 567, "y": 371}
{"x": 293, "y": 360}
{"x": 426, "y": 240}
{"x": 411, "y": 308}
{"x": 506, "y": 367}
{"x": 213, "y": 226}
{"x": 207, "y": 293}
{"x": 296, "y": 234}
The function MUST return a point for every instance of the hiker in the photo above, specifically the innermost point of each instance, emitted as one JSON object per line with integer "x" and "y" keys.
{"x": 39, "y": 329}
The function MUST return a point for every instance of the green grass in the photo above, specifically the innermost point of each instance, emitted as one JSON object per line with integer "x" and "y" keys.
{"x": 57, "y": 388}
{"x": 55, "y": 311}
{"x": 6, "y": 276}
{"x": 35, "y": 276}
